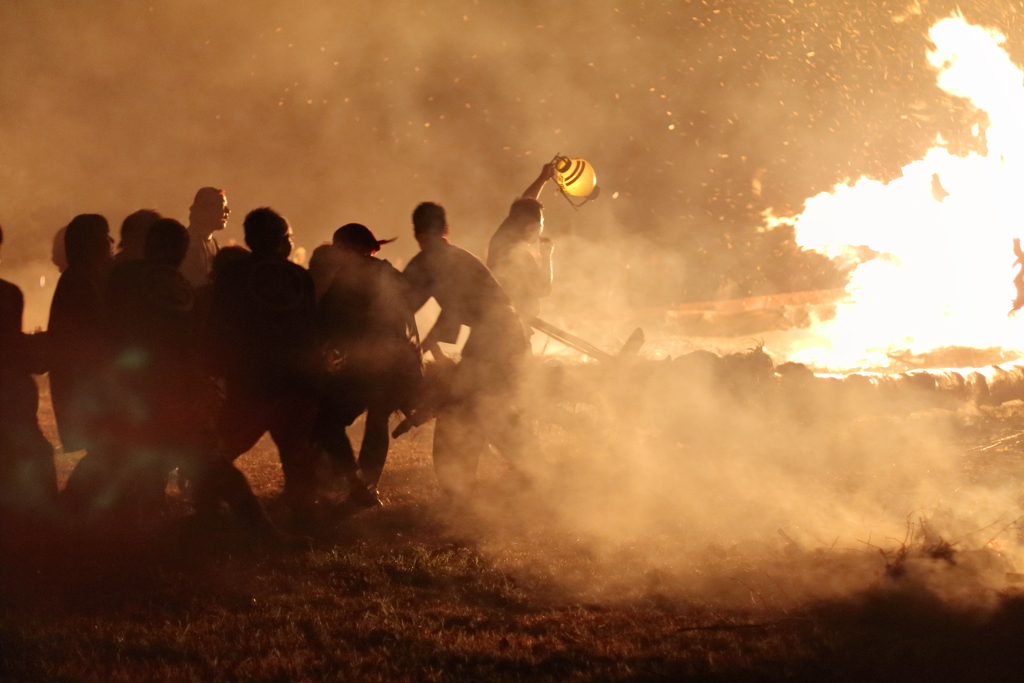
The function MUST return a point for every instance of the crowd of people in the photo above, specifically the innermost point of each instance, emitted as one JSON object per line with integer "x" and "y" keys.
{"x": 176, "y": 354}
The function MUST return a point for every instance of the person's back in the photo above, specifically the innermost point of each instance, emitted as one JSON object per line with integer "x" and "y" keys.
{"x": 18, "y": 394}
{"x": 366, "y": 311}
{"x": 27, "y": 475}
{"x": 526, "y": 278}
{"x": 459, "y": 281}
{"x": 323, "y": 264}
{"x": 262, "y": 320}
{"x": 516, "y": 270}
{"x": 152, "y": 314}
{"x": 468, "y": 294}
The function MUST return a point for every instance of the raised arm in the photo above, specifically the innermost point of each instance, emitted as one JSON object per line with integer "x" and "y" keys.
{"x": 546, "y": 173}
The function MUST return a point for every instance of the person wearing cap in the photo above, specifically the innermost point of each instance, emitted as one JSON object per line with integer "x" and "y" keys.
{"x": 207, "y": 215}
{"x": 372, "y": 357}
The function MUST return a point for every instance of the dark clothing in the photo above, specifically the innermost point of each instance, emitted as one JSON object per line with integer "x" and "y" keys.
{"x": 289, "y": 416}
{"x": 152, "y": 420}
{"x": 469, "y": 295}
{"x": 365, "y": 320}
{"x": 27, "y": 474}
{"x": 167, "y": 403}
{"x": 517, "y": 271}
{"x": 261, "y": 337}
{"x": 372, "y": 357}
{"x": 79, "y": 356}
{"x": 482, "y": 406}
{"x": 154, "y": 333}
{"x": 261, "y": 331}
{"x": 323, "y": 264}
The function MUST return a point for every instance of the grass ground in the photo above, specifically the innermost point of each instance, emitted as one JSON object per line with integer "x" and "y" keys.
{"x": 421, "y": 590}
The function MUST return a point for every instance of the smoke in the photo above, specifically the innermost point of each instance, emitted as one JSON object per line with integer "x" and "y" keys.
{"x": 705, "y": 481}
{"x": 698, "y": 116}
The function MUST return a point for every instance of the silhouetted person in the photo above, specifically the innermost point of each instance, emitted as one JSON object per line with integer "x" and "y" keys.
{"x": 28, "y": 479}
{"x": 167, "y": 400}
{"x": 483, "y": 396}
{"x": 261, "y": 338}
{"x": 133, "y": 235}
{"x": 153, "y": 331}
{"x": 369, "y": 332}
{"x": 226, "y": 256}
{"x": 207, "y": 215}
{"x": 323, "y": 263}
{"x": 524, "y": 277}
{"x": 80, "y": 357}
{"x": 75, "y": 330}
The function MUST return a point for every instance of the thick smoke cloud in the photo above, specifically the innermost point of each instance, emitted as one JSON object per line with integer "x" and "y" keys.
{"x": 698, "y": 115}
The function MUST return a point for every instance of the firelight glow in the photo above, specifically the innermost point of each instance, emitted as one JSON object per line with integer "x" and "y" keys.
{"x": 944, "y": 277}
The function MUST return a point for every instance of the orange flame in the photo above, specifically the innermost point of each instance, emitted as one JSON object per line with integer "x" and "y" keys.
{"x": 945, "y": 227}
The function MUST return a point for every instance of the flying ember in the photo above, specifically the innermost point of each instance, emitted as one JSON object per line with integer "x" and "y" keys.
{"x": 939, "y": 239}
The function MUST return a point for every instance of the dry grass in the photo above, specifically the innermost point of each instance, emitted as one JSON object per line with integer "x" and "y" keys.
{"x": 422, "y": 591}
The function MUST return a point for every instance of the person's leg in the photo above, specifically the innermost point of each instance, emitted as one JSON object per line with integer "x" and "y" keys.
{"x": 93, "y": 486}
{"x": 513, "y": 436}
{"x": 241, "y": 421}
{"x": 458, "y": 441}
{"x": 292, "y": 431}
{"x": 29, "y": 477}
{"x": 334, "y": 413}
{"x": 373, "y": 452}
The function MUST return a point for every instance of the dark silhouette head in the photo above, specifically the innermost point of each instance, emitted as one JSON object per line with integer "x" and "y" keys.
{"x": 166, "y": 242}
{"x": 358, "y": 238}
{"x": 429, "y": 219}
{"x": 233, "y": 253}
{"x": 87, "y": 241}
{"x": 133, "y": 232}
{"x": 58, "y": 256}
{"x": 266, "y": 231}
{"x": 525, "y": 220}
{"x": 525, "y": 210}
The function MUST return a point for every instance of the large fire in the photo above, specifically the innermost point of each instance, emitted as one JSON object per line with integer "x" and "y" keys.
{"x": 944, "y": 229}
